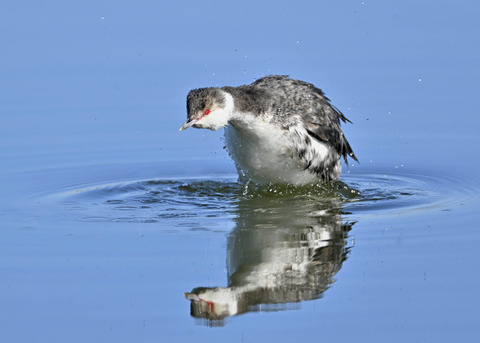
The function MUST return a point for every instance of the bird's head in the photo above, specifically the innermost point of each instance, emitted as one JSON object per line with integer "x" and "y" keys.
{"x": 208, "y": 108}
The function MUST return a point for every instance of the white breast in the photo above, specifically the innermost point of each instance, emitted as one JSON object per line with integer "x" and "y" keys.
{"x": 265, "y": 153}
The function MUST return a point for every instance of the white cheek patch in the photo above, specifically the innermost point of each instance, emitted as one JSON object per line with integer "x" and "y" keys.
{"x": 214, "y": 121}
{"x": 217, "y": 118}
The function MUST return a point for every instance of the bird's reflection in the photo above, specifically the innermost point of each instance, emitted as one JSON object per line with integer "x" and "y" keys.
{"x": 281, "y": 252}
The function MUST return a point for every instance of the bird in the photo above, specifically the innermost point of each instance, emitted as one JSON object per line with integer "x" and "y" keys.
{"x": 278, "y": 130}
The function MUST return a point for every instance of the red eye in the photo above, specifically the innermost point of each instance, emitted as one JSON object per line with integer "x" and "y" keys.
{"x": 206, "y": 112}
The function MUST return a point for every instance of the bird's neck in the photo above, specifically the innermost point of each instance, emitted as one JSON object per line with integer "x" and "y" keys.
{"x": 238, "y": 119}
{"x": 229, "y": 105}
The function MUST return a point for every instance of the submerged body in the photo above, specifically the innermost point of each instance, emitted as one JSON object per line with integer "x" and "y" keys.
{"x": 277, "y": 130}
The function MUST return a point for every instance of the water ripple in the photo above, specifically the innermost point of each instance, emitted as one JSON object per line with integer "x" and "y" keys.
{"x": 357, "y": 195}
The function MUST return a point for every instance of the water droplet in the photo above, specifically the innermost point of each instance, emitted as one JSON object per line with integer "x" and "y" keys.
{"x": 419, "y": 79}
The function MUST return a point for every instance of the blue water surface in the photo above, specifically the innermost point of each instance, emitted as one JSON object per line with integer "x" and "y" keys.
{"x": 109, "y": 213}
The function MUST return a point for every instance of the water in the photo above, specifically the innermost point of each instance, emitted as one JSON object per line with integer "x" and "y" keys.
{"x": 110, "y": 215}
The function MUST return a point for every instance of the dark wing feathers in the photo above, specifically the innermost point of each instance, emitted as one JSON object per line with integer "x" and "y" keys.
{"x": 324, "y": 126}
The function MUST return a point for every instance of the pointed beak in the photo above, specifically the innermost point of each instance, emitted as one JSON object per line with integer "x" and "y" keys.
{"x": 187, "y": 124}
{"x": 191, "y": 296}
